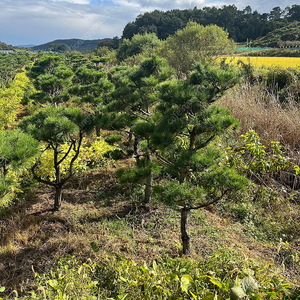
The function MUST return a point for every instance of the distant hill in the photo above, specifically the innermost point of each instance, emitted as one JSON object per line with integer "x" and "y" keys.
{"x": 84, "y": 46}
{"x": 285, "y": 37}
{"x": 26, "y": 46}
{"x": 4, "y": 46}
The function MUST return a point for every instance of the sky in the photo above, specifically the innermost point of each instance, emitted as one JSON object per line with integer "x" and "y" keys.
{"x": 24, "y": 22}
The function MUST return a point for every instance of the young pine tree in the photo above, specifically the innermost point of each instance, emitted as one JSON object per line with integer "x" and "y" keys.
{"x": 186, "y": 124}
{"x": 132, "y": 106}
{"x": 55, "y": 127}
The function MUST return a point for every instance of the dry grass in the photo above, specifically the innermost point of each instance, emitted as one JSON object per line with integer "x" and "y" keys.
{"x": 261, "y": 111}
{"x": 100, "y": 212}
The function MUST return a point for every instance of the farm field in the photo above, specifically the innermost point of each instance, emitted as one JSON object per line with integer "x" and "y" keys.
{"x": 260, "y": 61}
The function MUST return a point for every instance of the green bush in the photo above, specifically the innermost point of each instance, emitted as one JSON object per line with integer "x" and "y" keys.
{"x": 112, "y": 139}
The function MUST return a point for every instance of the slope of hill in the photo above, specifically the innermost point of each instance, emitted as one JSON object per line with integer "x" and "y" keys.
{"x": 4, "y": 46}
{"x": 84, "y": 46}
{"x": 285, "y": 36}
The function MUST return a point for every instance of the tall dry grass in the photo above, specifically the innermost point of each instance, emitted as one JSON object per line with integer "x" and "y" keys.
{"x": 258, "y": 109}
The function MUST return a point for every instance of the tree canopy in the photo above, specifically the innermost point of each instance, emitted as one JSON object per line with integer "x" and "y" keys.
{"x": 195, "y": 43}
{"x": 241, "y": 24}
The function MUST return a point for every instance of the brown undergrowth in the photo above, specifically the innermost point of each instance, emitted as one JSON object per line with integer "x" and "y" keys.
{"x": 97, "y": 211}
{"x": 260, "y": 110}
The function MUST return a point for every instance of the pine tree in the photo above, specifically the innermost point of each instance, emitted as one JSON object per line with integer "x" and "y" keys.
{"x": 55, "y": 127}
{"x": 132, "y": 106}
{"x": 185, "y": 124}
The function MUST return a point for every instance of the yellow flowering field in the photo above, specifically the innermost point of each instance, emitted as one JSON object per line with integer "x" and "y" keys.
{"x": 260, "y": 61}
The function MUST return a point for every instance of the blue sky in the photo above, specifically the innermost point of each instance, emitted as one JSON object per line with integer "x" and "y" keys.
{"x": 39, "y": 21}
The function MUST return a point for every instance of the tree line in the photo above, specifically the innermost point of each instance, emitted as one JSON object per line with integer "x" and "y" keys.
{"x": 241, "y": 24}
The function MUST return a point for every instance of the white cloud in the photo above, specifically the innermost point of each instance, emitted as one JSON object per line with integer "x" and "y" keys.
{"x": 40, "y": 21}
{"x": 82, "y": 2}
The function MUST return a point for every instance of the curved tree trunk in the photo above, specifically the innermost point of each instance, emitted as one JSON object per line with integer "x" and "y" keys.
{"x": 185, "y": 236}
{"x": 58, "y": 197}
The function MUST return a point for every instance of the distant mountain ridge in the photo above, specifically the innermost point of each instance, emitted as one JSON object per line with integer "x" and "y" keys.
{"x": 26, "y": 46}
{"x": 84, "y": 46}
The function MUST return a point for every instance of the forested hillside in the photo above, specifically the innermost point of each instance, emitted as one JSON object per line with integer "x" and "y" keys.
{"x": 242, "y": 25}
{"x": 161, "y": 169}
{"x": 84, "y": 46}
{"x": 4, "y": 46}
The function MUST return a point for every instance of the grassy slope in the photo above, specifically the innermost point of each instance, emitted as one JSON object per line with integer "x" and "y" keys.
{"x": 97, "y": 210}
{"x": 290, "y": 32}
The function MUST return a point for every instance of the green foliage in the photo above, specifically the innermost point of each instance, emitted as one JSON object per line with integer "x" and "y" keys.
{"x": 4, "y": 46}
{"x": 282, "y": 83}
{"x": 52, "y": 124}
{"x": 113, "y": 138}
{"x": 90, "y": 156}
{"x": 60, "y": 48}
{"x": 84, "y": 46}
{"x": 145, "y": 43}
{"x": 11, "y": 64}
{"x": 173, "y": 193}
{"x": 16, "y": 149}
{"x": 52, "y": 78}
{"x": 12, "y": 96}
{"x": 243, "y": 25}
{"x": 284, "y": 37}
{"x": 227, "y": 274}
{"x": 61, "y": 130}
{"x": 195, "y": 43}
{"x": 139, "y": 173}
{"x": 68, "y": 280}
{"x": 252, "y": 157}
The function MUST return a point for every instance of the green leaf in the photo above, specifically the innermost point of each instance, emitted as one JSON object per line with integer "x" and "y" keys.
{"x": 122, "y": 297}
{"x": 237, "y": 293}
{"x": 154, "y": 266}
{"x": 255, "y": 297}
{"x": 2, "y": 289}
{"x": 216, "y": 282}
{"x": 95, "y": 247}
{"x": 53, "y": 284}
{"x": 185, "y": 282}
{"x": 123, "y": 279}
{"x": 249, "y": 284}
{"x": 209, "y": 297}
{"x": 194, "y": 296}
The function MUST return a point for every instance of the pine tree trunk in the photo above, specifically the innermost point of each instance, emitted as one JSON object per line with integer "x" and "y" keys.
{"x": 185, "y": 236}
{"x": 58, "y": 197}
{"x": 136, "y": 149}
{"x": 148, "y": 188}
{"x": 98, "y": 130}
